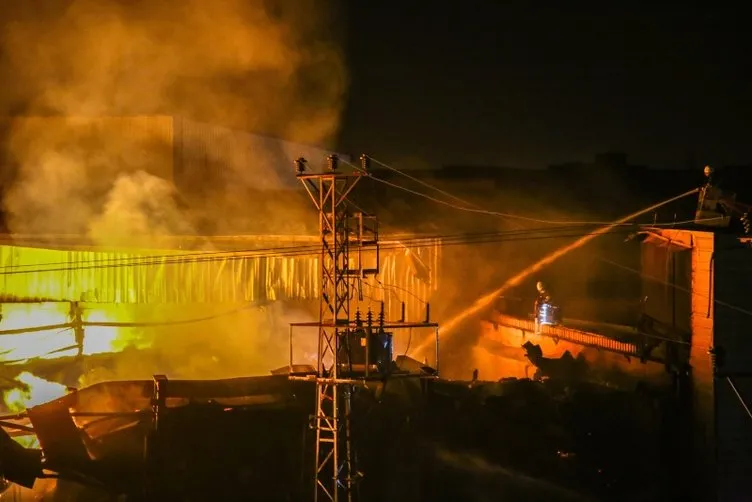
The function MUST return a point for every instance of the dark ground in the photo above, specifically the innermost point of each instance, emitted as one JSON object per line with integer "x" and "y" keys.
{"x": 439, "y": 440}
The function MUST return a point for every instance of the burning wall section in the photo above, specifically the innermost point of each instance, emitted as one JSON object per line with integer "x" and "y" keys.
{"x": 408, "y": 274}
{"x": 212, "y": 315}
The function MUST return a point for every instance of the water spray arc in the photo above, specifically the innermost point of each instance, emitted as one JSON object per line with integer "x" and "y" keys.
{"x": 484, "y": 301}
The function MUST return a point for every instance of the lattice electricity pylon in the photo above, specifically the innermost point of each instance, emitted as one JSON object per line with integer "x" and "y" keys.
{"x": 341, "y": 232}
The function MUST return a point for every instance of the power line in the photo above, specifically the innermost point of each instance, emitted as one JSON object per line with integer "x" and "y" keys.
{"x": 91, "y": 324}
{"x": 739, "y": 397}
{"x": 264, "y": 252}
{"x": 245, "y": 253}
{"x": 640, "y": 273}
{"x": 474, "y": 208}
{"x": 300, "y": 251}
{"x": 180, "y": 257}
{"x": 676, "y": 286}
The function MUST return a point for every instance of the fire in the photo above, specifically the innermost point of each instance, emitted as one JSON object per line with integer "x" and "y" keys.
{"x": 52, "y": 337}
{"x": 59, "y": 340}
{"x": 32, "y": 391}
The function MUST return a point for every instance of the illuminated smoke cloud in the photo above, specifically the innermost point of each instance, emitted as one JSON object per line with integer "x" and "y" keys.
{"x": 267, "y": 67}
{"x": 139, "y": 205}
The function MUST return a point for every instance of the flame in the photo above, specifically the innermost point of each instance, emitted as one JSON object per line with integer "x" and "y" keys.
{"x": 59, "y": 341}
{"x": 31, "y": 392}
{"x": 56, "y": 342}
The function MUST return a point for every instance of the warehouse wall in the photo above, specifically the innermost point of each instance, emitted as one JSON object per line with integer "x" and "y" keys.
{"x": 160, "y": 277}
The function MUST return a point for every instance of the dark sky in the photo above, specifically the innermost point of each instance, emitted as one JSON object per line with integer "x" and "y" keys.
{"x": 495, "y": 83}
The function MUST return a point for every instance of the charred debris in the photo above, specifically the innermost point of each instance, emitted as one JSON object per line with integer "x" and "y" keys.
{"x": 416, "y": 438}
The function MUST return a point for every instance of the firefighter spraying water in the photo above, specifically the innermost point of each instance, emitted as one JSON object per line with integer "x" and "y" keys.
{"x": 544, "y": 310}
{"x": 717, "y": 207}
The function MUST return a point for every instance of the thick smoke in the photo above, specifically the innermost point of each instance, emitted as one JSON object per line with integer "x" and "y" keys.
{"x": 246, "y": 340}
{"x": 140, "y": 206}
{"x": 258, "y": 66}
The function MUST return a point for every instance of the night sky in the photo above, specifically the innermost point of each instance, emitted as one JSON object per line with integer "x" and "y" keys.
{"x": 495, "y": 83}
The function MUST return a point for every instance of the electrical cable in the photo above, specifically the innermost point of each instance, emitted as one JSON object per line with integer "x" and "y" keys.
{"x": 181, "y": 257}
{"x": 676, "y": 286}
{"x": 299, "y": 251}
{"x": 739, "y": 396}
{"x": 475, "y": 209}
{"x": 738, "y": 309}
{"x": 85, "y": 324}
{"x": 304, "y": 250}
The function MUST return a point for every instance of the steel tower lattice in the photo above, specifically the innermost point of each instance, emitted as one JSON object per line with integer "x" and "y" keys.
{"x": 341, "y": 232}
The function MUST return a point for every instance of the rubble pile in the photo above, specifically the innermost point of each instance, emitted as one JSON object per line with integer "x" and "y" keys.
{"x": 414, "y": 439}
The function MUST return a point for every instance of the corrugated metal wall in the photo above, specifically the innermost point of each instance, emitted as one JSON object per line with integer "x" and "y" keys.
{"x": 191, "y": 154}
{"x": 119, "y": 277}
{"x": 732, "y": 281}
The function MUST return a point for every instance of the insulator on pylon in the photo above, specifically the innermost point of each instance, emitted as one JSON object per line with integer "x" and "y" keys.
{"x": 358, "y": 319}
{"x": 300, "y": 164}
{"x": 428, "y": 312}
{"x": 381, "y": 316}
{"x": 369, "y": 317}
{"x": 332, "y": 162}
{"x": 746, "y": 223}
{"x": 365, "y": 162}
{"x": 402, "y": 317}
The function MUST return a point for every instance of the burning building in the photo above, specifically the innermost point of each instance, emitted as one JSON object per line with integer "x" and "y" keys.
{"x": 116, "y": 281}
{"x": 68, "y": 302}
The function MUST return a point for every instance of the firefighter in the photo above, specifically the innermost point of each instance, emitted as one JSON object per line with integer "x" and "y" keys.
{"x": 76, "y": 316}
{"x": 542, "y": 298}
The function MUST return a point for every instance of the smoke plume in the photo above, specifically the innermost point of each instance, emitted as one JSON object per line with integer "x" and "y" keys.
{"x": 139, "y": 205}
{"x": 258, "y": 66}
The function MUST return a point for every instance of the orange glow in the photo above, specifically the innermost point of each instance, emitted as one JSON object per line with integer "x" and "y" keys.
{"x": 484, "y": 301}
{"x": 18, "y": 348}
{"x": 32, "y": 392}
{"x": 60, "y": 341}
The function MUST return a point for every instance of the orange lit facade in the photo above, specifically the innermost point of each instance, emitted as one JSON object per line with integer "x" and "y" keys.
{"x": 717, "y": 281}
